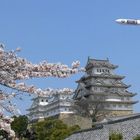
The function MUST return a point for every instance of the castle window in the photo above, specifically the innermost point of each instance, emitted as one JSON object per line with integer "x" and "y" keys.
{"x": 107, "y": 70}
{"x": 107, "y": 105}
{"x": 101, "y": 89}
{"x": 114, "y": 105}
{"x": 88, "y": 87}
{"x": 95, "y": 88}
{"x": 65, "y": 109}
{"x": 126, "y": 106}
{"x": 42, "y": 100}
{"x": 120, "y": 105}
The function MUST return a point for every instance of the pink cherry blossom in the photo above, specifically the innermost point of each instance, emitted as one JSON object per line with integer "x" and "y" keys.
{"x": 14, "y": 68}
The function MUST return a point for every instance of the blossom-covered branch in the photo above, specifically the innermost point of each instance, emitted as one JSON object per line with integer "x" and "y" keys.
{"x": 14, "y": 68}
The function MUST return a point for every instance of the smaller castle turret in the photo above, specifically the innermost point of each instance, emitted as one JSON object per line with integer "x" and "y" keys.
{"x": 50, "y": 106}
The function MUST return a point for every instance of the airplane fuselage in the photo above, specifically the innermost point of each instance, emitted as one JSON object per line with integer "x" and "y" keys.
{"x": 128, "y": 21}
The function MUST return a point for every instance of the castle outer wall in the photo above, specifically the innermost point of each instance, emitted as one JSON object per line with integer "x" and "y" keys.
{"x": 129, "y": 127}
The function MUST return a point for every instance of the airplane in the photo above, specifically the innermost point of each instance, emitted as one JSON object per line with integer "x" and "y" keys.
{"x": 128, "y": 21}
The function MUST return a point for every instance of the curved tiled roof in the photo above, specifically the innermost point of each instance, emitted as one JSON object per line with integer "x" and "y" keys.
{"x": 99, "y": 63}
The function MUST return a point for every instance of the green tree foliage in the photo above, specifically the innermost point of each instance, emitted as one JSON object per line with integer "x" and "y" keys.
{"x": 53, "y": 129}
{"x": 137, "y": 137}
{"x": 115, "y": 136}
{"x": 19, "y": 125}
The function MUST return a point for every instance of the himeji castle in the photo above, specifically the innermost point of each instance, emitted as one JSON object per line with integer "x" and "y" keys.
{"x": 101, "y": 84}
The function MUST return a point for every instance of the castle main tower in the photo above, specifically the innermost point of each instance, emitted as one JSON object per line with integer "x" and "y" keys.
{"x": 101, "y": 84}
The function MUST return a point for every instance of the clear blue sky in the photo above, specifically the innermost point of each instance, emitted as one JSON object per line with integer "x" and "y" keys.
{"x": 63, "y": 31}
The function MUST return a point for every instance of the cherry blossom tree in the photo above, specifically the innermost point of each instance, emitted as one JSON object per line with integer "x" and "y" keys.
{"x": 14, "y": 69}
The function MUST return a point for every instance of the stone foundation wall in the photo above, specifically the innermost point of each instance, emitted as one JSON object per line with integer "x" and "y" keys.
{"x": 128, "y": 127}
{"x": 72, "y": 119}
{"x": 121, "y": 113}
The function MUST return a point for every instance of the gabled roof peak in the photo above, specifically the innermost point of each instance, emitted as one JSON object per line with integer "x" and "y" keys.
{"x": 100, "y": 63}
{"x": 93, "y": 59}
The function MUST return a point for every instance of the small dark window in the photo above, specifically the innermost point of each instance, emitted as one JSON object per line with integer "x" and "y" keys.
{"x": 114, "y": 105}
{"x": 128, "y": 98}
{"x": 126, "y": 105}
{"x": 107, "y": 105}
{"x": 95, "y": 88}
{"x": 120, "y": 105}
{"x": 123, "y": 21}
